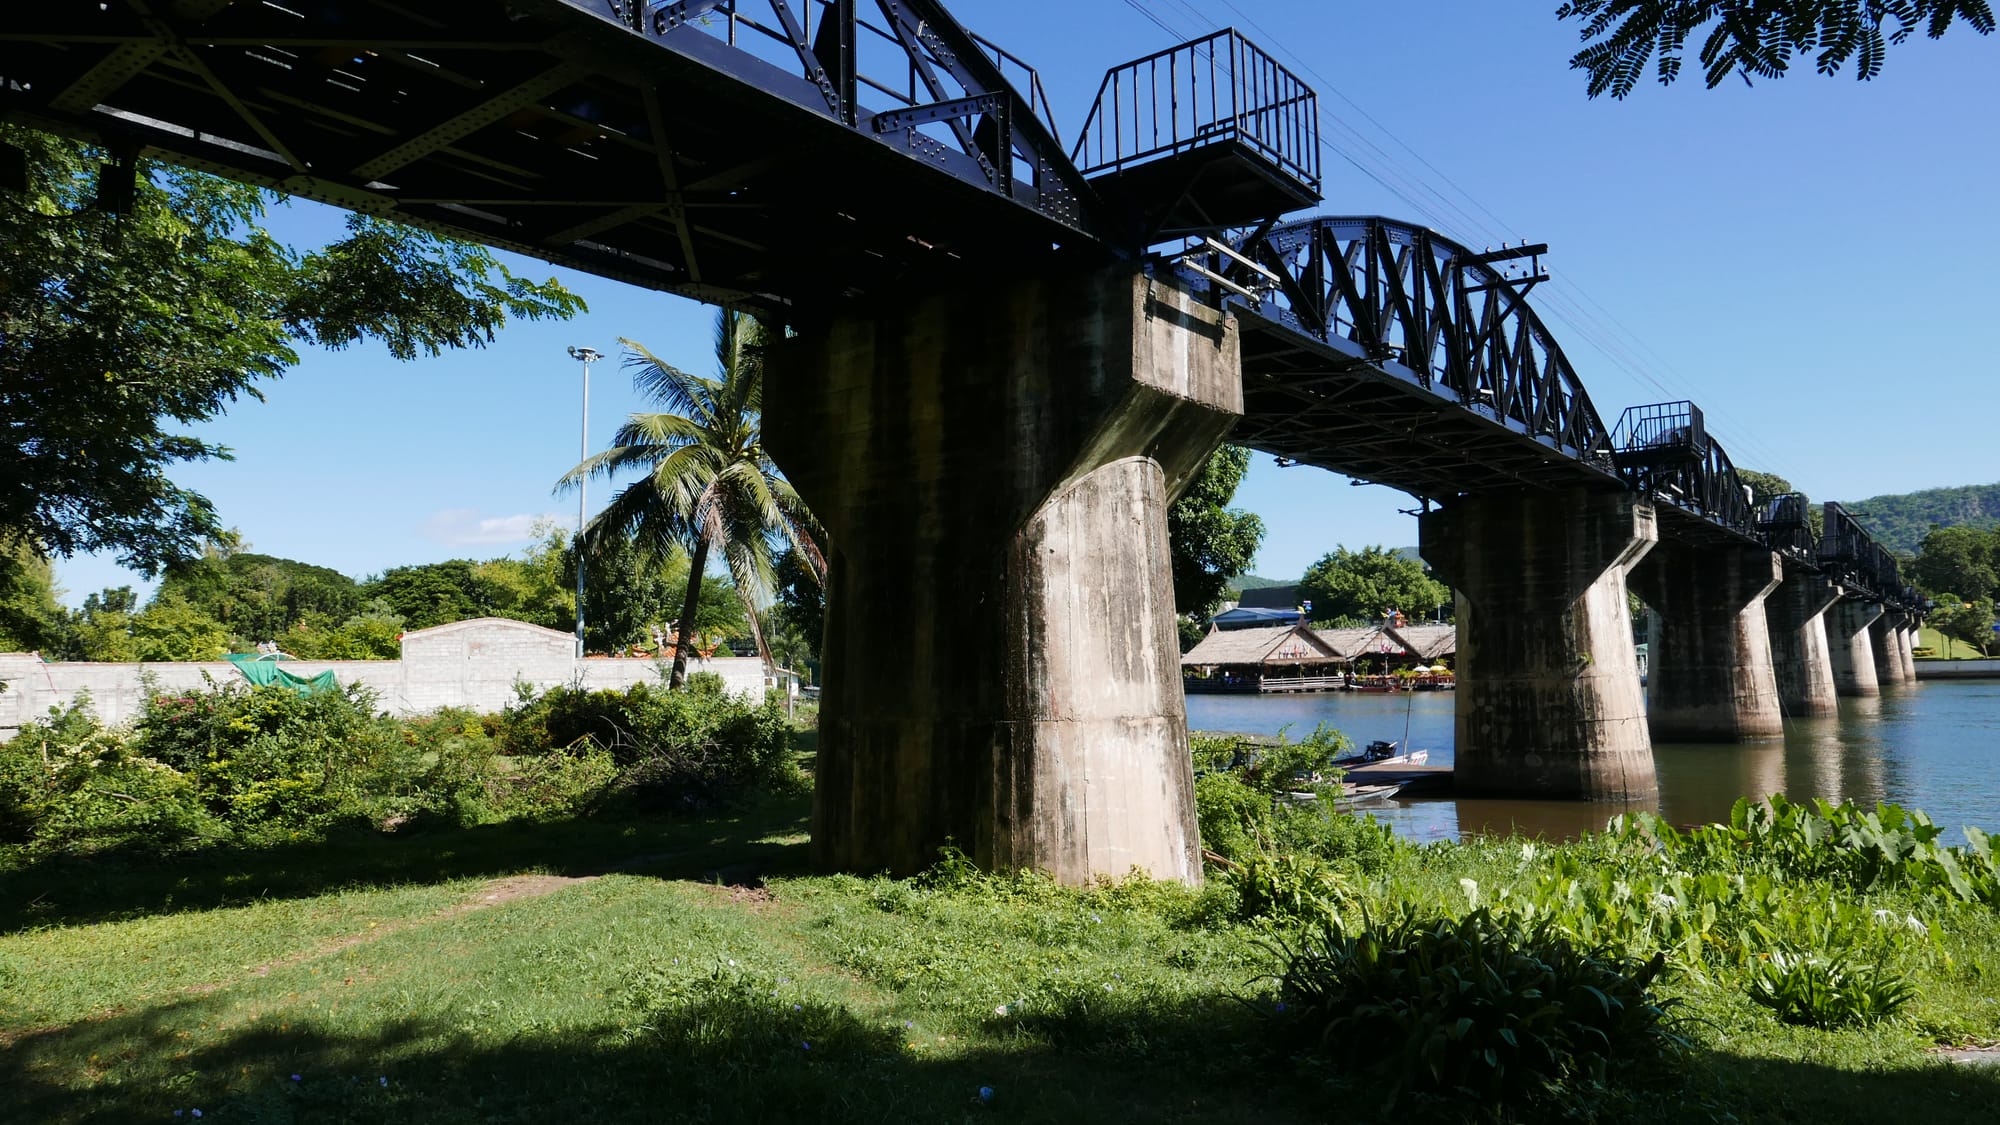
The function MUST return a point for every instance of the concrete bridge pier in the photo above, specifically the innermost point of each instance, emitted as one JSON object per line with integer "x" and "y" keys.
{"x": 1800, "y": 656}
{"x": 993, "y": 466}
{"x": 1885, "y": 642}
{"x": 1549, "y": 703}
{"x": 1907, "y": 648}
{"x": 1850, "y": 648}
{"x": 1708, "y": 670}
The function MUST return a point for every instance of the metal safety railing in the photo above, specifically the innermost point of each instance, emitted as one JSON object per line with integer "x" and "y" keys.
{"x": 1785, "y": 523}
{"x": 1211, "y": 90}
{"x": 1660, "y": 433}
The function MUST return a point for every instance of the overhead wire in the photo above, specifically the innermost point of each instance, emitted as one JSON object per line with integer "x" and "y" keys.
{"x": 1565, "y": 299}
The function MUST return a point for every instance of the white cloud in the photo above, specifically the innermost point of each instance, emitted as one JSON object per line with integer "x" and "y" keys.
{"x": 465, "y": 527}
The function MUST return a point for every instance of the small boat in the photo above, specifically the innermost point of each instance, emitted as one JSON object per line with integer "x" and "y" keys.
{"x": 1382, "y": 753}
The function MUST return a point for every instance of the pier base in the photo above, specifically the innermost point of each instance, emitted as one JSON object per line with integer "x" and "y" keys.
{"x": 1549, "y": 703}
{"x": 993, "y": 467}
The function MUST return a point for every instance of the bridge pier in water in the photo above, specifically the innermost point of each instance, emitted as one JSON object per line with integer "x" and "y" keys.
{"x": 1849, "y": 645}
{"x": 1800, "y": 652}
{"x": 1708, "y": 668}
{"x": 1885, "y": 642}
{"x": 1548, "y": 701}
{"x": 993, "y": 467}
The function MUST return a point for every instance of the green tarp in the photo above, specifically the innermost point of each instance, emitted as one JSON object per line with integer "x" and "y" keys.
{"x": 264, "y": 672}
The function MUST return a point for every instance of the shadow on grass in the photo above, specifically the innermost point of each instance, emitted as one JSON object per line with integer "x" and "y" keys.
{"x": 734, "y": 1055}
{"x": 1728, "y": 1086}
{"x": 67, "y": 890}
{"x": 709, "y": 1058}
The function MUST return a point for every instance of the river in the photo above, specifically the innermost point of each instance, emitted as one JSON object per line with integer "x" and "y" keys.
{"x": 1932, "y": 746}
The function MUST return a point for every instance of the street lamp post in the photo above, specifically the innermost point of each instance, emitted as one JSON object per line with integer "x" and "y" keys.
{"x": 585, "y": 356}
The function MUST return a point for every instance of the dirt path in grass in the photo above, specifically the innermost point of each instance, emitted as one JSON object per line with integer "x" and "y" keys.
{"x": 511, "y": 888}
{"x": 741, "y": 883}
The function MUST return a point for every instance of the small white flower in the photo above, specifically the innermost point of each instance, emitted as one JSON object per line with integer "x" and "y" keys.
{"x": 1915, "y": 924}
{"x": 1001, "y": 1010}
{"x": 1664, "y": 901}
{"x": 1886, "y": 917}
{"x": 1471, "y": 889}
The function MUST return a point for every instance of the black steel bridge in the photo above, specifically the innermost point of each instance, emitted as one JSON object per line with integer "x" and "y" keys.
{"x": 796, "y": 156}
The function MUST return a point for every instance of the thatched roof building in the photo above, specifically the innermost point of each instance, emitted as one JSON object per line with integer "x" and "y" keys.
{"x": 1283, "y": 646}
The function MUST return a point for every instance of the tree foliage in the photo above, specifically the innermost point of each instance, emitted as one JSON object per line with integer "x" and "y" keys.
{"x": 118, "y": 327}
{"x": 707, "y": 483}
{"x": 1357, "y": 587}
{"x": 1958, "y": 560}
{"x": 31, "y": 619}
{"x": 1210, "y": 543}
{"x": 258, "y": 597}
{"x": 1968, "y": 621}
{"x": 1751, "y": 38}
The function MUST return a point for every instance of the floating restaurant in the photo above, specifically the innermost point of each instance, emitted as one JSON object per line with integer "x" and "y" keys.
{"x": 1295, "y": 658}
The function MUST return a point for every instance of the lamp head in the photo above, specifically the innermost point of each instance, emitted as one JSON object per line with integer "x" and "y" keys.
{"x": 586, "y": 355}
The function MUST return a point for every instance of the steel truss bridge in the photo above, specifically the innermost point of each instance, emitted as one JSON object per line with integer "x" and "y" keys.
{"x": 794, "y": 156}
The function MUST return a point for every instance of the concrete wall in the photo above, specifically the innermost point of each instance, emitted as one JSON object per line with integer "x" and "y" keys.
{"x": 471, "y": 664}
{"x": 1958, "y": 669}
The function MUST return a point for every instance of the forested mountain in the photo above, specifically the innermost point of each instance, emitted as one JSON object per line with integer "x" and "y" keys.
{"x": 1901, "y": 522}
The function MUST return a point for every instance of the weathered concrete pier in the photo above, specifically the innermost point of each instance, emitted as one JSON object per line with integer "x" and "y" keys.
{"x": 996, "y": 464}
{"x": 1708, "y": 668}
{"x": 1850, "y": 649}
{"x": 1549, "y": 703}
{"x": 1801, "y": 658}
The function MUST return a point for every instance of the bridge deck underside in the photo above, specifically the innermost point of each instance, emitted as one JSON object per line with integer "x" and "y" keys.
{"x": 532, "y": 125}
{"x": 1325, "y": 403}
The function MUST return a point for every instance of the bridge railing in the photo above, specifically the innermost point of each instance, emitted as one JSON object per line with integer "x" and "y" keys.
{"x": 1210, "y": 90}
{"x": 1664, "y": 451}
{"x": 1786, "y": 525}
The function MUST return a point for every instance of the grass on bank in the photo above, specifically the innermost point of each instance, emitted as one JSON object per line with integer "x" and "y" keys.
{"x": 662, "y": 969}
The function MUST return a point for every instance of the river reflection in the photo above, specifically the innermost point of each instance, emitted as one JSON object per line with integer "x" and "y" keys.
{"x": 1933, "y": 746}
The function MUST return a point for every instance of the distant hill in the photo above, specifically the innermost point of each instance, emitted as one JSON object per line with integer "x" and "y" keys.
{"x": 1901, "y": 522}
{"x": 1252, "y": 582}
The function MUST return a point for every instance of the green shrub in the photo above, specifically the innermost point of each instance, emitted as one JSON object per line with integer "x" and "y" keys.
{"x": 1887, "y": 847}
{"x": 1483, "y": 1008}
{"x": 1827, "y": 989}
{"x": 676, "y": 750}
{"x": 1256, "y": 799}
{"x": 269, "y": 755}
{"x": 68, "y": 784}
{"x": 547, "y": 786}
{"x": 437, "y": 766}
{"x": 1289, "y": 886}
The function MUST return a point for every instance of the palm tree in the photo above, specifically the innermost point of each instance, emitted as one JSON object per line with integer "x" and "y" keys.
{"x": 708, "y": 484}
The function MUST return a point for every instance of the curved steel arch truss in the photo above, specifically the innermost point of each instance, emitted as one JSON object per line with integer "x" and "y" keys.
{"x": 1418, "y": 299}
{"x": 1387, "y": 352}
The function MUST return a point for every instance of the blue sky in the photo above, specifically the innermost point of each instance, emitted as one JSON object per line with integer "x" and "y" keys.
{"x": 1810, "y": 260}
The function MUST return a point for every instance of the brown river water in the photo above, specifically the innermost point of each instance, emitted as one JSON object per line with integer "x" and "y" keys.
{"x": 1933, "y": 746}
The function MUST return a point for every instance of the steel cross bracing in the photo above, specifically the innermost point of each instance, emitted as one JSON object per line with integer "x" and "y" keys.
{"x": 1389, "y": 353}
{"x": 763, "y": 153}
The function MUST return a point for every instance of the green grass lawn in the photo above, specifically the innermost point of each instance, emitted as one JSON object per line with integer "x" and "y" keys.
{"x": 691, "y": 971}
{"x": 1946, "y": 648}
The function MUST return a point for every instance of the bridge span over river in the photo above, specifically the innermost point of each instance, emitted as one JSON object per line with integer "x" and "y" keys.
{"x": 1006, "y": 353}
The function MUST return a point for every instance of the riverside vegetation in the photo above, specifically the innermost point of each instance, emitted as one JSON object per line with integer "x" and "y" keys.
{"x": 279, "y": 908}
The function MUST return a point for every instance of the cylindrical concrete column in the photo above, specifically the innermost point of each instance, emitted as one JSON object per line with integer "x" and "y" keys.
{"x": 1849, "y": 649}
{"x": 1800, "y": 660}
{"x": 1906, "y": 648}
{"x": 1548, "y": 701}
{"x": 1885, "y": 645}
{"x": 1708, "y": 670}
{"x": 993, "y": 467}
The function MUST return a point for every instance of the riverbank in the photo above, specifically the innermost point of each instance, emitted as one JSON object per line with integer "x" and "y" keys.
{"x": 606, "y": 970}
